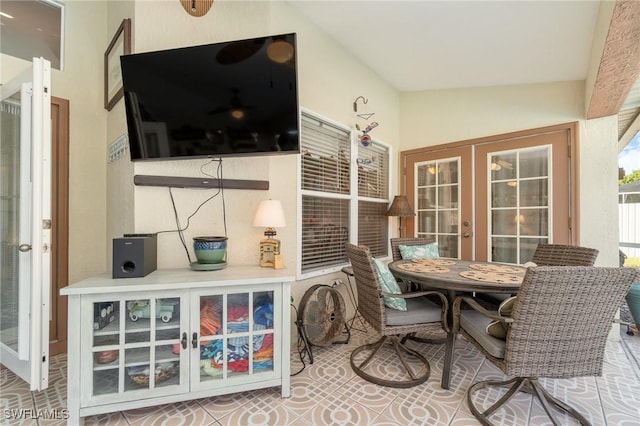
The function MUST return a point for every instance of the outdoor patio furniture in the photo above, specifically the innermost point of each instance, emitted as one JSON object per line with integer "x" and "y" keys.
{"x": 553, "y": 255}
{"x": 559, "y": 325}
{"x": 393, "y": 325}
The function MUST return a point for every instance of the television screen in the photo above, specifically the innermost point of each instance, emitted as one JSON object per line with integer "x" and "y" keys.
{"x": 222, "y": 99}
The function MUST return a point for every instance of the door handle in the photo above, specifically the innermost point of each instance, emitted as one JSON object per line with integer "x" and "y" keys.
{"x": 194, "y": 340}
{"x": 184, "y": 340}
{"x": 24, "y": 247}
{"x": 466, "y": 235}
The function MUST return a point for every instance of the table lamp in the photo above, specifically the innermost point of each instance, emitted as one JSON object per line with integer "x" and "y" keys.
{"x": 400, "y": 207}
{"x": 270, "y": 215}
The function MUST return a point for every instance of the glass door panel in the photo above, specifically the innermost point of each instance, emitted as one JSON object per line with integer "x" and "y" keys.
{"x": 438, "y": 187}
{"x": 137, "y": 346}
{"x": 25, "y": 202}
{"x": 518, "y": 190}
{"x": 236, "y": 335}
{"x": 211, "y": 343}
{"x": 438, "y": 204}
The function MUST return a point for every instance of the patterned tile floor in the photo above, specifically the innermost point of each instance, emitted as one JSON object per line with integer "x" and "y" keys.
{"x": 327, "y": 392}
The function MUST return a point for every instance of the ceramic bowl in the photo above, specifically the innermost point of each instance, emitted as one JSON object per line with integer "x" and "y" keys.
{"x": 210, "y": 249}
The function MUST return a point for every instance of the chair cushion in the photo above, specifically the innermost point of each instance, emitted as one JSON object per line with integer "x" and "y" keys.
{"x": 389, "y": 285}
{"x": 419, "y": 310}
{"x": 475, "y": 324}
{"x": 499, "y": 328}
{"x": 423, "y": 251}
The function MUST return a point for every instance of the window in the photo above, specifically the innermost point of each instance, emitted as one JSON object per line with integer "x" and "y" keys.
{"x": 33, "y": 28}
{"x": 345, "y": 194}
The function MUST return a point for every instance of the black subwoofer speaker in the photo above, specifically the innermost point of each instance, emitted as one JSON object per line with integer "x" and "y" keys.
{"x": 134, "y": 255}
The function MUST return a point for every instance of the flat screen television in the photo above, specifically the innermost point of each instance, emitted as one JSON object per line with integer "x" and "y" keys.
{"x": 223, "y": 99}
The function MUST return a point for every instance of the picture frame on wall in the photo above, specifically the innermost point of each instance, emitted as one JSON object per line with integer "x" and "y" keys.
{"x": 120, "y": 45}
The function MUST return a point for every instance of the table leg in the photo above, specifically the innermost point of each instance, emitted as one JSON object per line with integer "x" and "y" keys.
{"x": 451, "y": 339}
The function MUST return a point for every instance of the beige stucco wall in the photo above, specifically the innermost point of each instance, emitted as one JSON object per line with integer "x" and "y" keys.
{"x": 329, "y": 81}
{"x": 443, "y": 116}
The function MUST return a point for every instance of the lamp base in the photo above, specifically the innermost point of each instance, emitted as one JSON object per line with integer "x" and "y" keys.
{"x": 269, "y": 249}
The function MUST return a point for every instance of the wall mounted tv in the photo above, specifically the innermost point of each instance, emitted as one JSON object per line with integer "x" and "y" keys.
{"x": 224, "y": 99}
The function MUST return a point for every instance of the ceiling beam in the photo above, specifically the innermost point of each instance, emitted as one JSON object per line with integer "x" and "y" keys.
{"x": 620, "y": 63}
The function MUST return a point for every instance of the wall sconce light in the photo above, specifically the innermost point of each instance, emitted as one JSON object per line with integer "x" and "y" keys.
{"x": 400, "y": 207}
{"x": 196, "y": 8}
{"x": 270, "y": 215}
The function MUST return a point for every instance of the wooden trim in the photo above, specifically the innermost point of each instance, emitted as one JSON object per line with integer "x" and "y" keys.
{"x": 573, "y": 139}
{"x": 60, "y": 219}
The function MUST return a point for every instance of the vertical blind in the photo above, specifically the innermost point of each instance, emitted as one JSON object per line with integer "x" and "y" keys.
{"x": 327, "y": 194}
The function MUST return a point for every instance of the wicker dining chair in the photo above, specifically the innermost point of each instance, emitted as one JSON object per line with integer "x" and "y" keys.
{"x": 564, "y": 255}
{"x": 407, "y": 241}
{"x": 558, "y": 329}
{"x": 552, "y": 255}
{"x": 393, "y": 325}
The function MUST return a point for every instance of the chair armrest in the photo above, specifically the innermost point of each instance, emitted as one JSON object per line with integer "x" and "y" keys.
{"x": 457, "y": 303}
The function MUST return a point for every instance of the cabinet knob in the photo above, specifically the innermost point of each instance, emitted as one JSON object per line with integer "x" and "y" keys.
{"x": 184, "y": 340}
{"x": 194, "y": 340}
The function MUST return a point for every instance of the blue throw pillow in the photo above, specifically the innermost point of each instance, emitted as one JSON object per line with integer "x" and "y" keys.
{"x": 425, "y": 251}
{"x": 389, "y": 285}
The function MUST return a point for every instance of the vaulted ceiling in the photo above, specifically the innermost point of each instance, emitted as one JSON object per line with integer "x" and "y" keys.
{"x": 430, "y": 45}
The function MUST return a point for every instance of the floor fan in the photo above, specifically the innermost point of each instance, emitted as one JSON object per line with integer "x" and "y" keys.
{"x": 321, "y": 318}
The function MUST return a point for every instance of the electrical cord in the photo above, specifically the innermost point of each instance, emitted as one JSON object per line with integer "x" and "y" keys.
{"x": 220, "y": 191}
{"x": 301, "y": 346}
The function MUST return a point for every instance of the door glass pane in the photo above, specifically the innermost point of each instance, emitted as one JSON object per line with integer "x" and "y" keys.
{"x": 438, "y": 203}
{"x": 211, "y": 338}
{"x": 528, "y": 246}
{"x": 448, "y": 245}
{"x": 505, "y": 249}
{"x": 503, "y": 166}
{"x": 534, "y": 163}
{"x": 9, "y": 205}
{"x": 504, "y": 222}
{"x": 534, "y": 222}
{"x": 519, "y": 194}
{"x": 262, "y": 342}
{"x": 534, "y": 192}
{"x": 425, "y": 197}
{"x": 504, "y": 194}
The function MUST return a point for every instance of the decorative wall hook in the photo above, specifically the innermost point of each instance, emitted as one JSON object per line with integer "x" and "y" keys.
{"x": 355, "y": 103}
{"x": 196, "y": 7}
{"x": 355, "y": 108}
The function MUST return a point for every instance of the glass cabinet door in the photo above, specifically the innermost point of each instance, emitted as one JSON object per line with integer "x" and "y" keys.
{"x": 236, "y": 335}
{"x": 137, "y": 346}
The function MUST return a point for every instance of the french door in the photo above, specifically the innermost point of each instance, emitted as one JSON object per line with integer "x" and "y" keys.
{"x": 494, "y": 199}
{"x": 25, "y": 259}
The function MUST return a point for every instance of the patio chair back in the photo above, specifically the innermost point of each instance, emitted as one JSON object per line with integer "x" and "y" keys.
{"x": 561, "y": 319}
{"x": 409, "y": 241}
{"x": 564, "y": 255}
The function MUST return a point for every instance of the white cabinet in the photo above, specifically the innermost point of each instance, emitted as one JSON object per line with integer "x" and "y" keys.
{"x": 175, "y": 335}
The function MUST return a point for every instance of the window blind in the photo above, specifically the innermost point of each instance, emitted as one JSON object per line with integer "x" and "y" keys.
{"x": 373, "y": 171}
{"x": 326, "y": 155}
{"x": 334, "y": 189}
{"x": 373, "y": 227}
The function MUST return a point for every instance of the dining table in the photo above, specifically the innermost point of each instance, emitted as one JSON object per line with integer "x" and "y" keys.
{"x": 455, "y": 277}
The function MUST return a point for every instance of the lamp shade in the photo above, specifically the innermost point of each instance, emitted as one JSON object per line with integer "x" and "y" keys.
{"x": 269, "y": 214}
{"x": 400, "y": 207}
